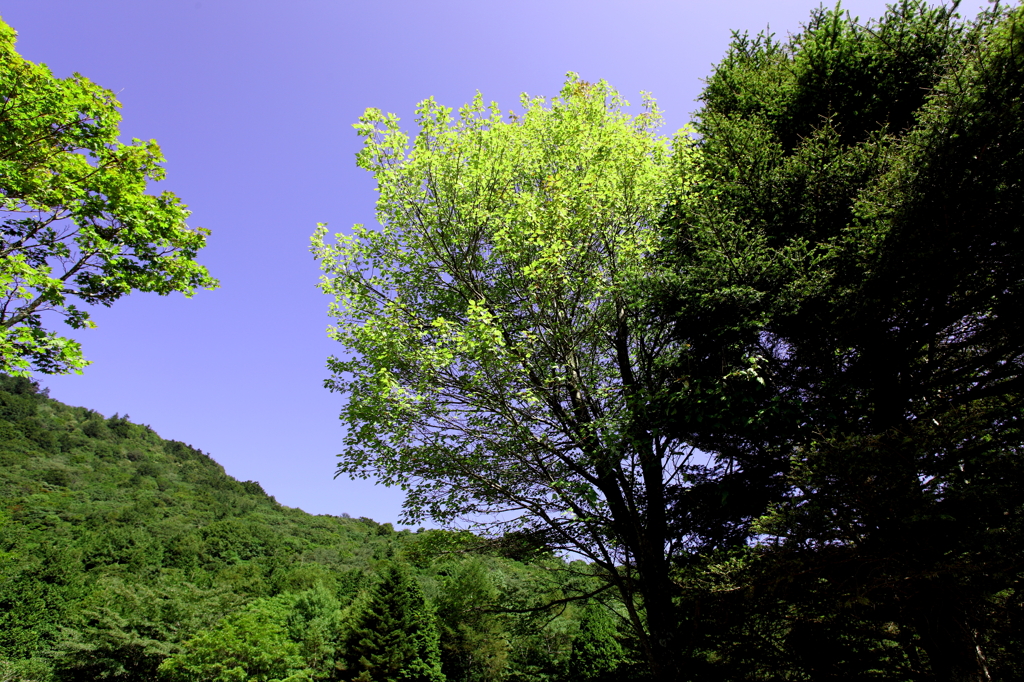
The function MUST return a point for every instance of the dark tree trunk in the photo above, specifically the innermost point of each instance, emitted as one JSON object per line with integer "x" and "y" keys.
{"x": 658, "y": 594}
{"x": 954, "y": 653}
{"x": 662, "y": 626}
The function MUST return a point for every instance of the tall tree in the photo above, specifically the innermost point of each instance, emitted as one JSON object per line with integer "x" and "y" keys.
{"x": 495, "y": 362}
{"x": 75, "y": 219}
{"x": 392, "y": 636}
{"x": 846, "y": 275}
{"x": 474, "y": 643}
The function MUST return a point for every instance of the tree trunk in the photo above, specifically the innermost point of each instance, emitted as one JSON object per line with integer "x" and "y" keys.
{"x": 662, "y": 627}
{"x": 659, "y": 606}
{"x": 947, "y": 637}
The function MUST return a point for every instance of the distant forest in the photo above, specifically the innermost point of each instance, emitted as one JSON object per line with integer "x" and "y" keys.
{"x": 124, "y": 556}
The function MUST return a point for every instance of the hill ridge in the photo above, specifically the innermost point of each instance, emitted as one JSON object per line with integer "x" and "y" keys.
{"x": 120, "y": 549}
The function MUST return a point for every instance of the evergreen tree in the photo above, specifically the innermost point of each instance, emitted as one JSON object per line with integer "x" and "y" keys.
{"x": 848, "y": 273}
{"x": 391, "y": 636}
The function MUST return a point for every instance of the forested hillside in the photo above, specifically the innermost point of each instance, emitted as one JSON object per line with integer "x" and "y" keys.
{"x": 126, "y": 556}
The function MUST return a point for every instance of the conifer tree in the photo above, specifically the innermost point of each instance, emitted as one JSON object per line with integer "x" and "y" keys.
{"x": 845, "y": 272}
{"x": 391, "y": 636}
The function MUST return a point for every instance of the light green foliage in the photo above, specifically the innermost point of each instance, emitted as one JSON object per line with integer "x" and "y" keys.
{"x": 27, "y": 670}
{"x": 493, "y": 358}
{"x": 249, "y": 646}
{"x": 76, "y": 220}
{"x": 315, "y": 622}
{"x": 597, "y": 654}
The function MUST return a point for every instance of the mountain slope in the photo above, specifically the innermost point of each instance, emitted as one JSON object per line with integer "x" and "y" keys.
{"x": 118, "y": 549}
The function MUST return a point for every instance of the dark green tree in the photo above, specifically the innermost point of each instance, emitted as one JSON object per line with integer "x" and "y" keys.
{"x": 38, "y": 593}
{"x": 391, "y": 636}
{"x": 110, "y": 646}
{"x": 125, "y": 630}
{"x": 846, "y": 276}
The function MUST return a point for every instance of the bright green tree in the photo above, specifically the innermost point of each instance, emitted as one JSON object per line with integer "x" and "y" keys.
{"x": 315, "y": 622}
{"x": 474, "y": 641}
{"x": 249, "y": 646}
{"x": 494, "y": 361}
{"x": 597, "y": 654}
{"x": 75, "y": 218}
{"x": 391, "y": 635}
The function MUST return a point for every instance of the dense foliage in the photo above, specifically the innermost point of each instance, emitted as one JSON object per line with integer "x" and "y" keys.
{"x": 391, "y": 635}
{"x": 76, "y": 223}
{"x": 765, "y": 378}
{"x": 495, "y": 364}
{"x": 124, "y": 556}
{"x": 784, "y": 416}
{"x": 843, "y": 275}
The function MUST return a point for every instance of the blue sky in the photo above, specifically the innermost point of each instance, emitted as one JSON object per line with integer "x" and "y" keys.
{"x": 252, "y": 102}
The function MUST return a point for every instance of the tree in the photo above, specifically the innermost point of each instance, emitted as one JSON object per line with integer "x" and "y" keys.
{"x": 495, "y": 362}
{"x": 597, "y": 655}
{"x": 474, "y": 643}
{"x": 38, "y": 592}
{"x": 250, "y": 645}
{"x": 391, "y": 636}
{"x": 852, "y": 250}
{"x": 315, "y": 622}
{"x": 75, "y": 219}
{"x": 124, "y": 630}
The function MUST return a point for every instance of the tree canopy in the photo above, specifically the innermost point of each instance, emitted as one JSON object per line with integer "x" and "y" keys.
{"x": 76, "y": 222}
{"x": 854, "y": 235}
{"x": 767, "y": 377}
{"x": 495, "y": 361}
{"x": 392, "y": 636}
{"x": 127, "y": 557}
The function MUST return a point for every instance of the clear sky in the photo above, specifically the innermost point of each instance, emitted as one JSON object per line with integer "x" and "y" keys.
{"x": 252, "y": 102}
